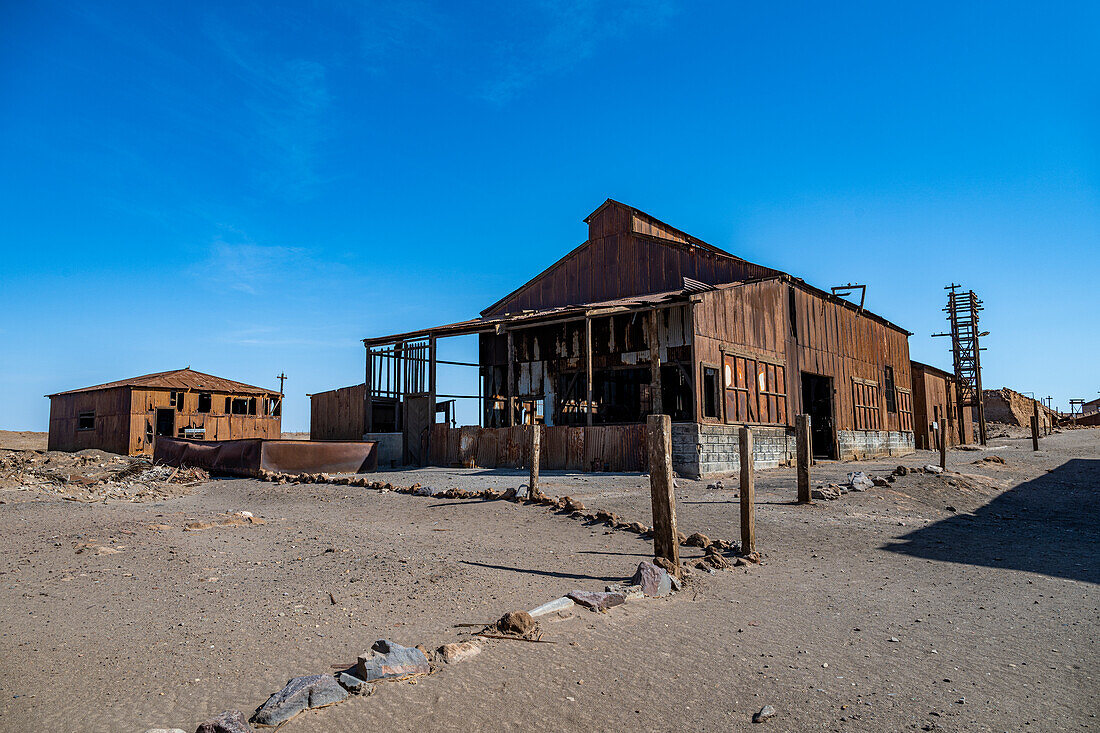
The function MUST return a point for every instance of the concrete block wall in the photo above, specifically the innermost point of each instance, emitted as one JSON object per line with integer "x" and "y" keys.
{"x": 704, "y": 449}
{"x": 857, "y": 444}
{"x": 390, "y": 448}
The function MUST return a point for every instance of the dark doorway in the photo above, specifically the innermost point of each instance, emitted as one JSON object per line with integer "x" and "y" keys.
{"x": 817, "y": 401}
{"x": 166, "y": 423}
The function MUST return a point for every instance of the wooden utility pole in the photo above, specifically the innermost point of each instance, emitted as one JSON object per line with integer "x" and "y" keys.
{"x": 748, "y": 494}
{"x": 943, "y": 443}
{"x": 536, "y": 446}
{"x": 1034, "y": 432}
{"x": 803, "y": 454}
{"x": 665, "y": 543}
{"x": 281, "y": 378}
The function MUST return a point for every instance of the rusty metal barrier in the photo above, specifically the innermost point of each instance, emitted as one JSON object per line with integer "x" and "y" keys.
{"x": 250, "y": 456}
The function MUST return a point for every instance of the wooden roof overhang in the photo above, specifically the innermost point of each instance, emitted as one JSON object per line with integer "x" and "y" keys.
{"x": 531, "y": 319}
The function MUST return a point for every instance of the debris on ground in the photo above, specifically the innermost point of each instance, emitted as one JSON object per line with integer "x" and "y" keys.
{"x": 300, "y": 693}
{"x": 558, "y": 604}
{"x": 859, "y": 481}
{"x": 231, "y": 721}
{"x": 388, "y": 659}
{"x": 515, "y": 622}
{"x": 597, "y": 601}
{"x": 94, "y": 475}
{"x": 763, "y": 714}
{"x": 458, "y": 652}
{"x": 654, "y": 581}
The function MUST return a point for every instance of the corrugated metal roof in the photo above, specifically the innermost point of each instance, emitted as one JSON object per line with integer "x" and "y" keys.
{"x": 179, "y": 379}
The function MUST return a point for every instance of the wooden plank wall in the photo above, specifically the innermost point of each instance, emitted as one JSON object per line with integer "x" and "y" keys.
{"x": 931, "y": 389}
{"x": 112, "y": 421}
{"x": 563, "y": 448}
{"x": 618, "y": 262}
{"x": 828, "y": 338}
{"x": 338, "y": 414}
{"x": 125, "y": 415}
{"x": 217, "y": 424}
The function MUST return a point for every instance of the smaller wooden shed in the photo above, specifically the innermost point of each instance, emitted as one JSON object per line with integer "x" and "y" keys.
{"x": 936, "y": 396}
{"x": 126, "y": 416}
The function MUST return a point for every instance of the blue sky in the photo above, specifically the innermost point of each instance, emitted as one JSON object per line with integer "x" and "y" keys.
{"x": 248, "y": 188}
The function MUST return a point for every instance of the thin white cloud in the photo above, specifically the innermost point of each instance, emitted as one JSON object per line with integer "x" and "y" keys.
{"x": 287, "y": 100}
{"x": 237, "y": 263}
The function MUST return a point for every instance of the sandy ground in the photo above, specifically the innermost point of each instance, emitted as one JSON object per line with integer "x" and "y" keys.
{"x": 993, "y": 603}
{"x": 23, "y": 440}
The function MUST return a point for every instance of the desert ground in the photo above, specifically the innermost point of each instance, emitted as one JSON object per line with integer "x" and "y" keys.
{"x": 966, "y": 601}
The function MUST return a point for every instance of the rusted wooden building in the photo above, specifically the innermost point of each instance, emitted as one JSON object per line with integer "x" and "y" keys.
{"x": 126, "y": 416}
{"x": 936, "y": 396}
{"x": 643, "y": 318}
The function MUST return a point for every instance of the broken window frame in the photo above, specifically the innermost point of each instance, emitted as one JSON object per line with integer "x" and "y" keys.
{"x": 85, "y": 420}
{"x": 866, "y": 410}
{"x": 889, "y": 389}
{"x": 206, "y": 402}
{"x": 712, "y": 392}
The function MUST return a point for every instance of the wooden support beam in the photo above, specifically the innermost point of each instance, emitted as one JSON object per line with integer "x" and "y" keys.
{"x": 1034, "y": 432}
{"x": 748, "y": 494}
{"x": 803, "y": 451}
{"x": 654, "y": 342}
{"x": 431, "y": 397}
{"x": 665, "y": 543}
{"x": 588, "y": 370}
{"x": 368, "y": 401}
{"x": 536, "y": 446}
{"x": 511, "y": 383}
{"x": 943, "y": 444}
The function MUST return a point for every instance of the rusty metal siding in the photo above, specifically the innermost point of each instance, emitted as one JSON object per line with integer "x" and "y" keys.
{"x": 832, "y": 340}
{"x": 112, "y": 420}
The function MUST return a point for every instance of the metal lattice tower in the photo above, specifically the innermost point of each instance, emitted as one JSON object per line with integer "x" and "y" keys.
{"x": 962, "y": 313}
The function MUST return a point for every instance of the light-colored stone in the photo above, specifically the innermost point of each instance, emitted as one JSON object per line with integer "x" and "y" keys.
{"x": 387, "y": 659}
{"x": 558, "y": 604}
{"x": 597, "y": 601}
{"x": 459, "y": 652}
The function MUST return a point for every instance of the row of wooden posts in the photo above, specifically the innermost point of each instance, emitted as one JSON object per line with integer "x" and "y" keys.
{"x": 661, "y": 485}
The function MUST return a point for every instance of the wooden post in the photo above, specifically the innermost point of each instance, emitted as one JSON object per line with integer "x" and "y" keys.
{"x": 803, "y": 452}
{"x": 1034, "y": 432}
{"x": 536, "y": 446}
{"x": 654, "y": 340}
{"x": 511, "y": 383}
{"x": 665, "y": 543}
{"x": 748, "y": 494}
{"x": 368, "y": 402}
{"x": 426, "y": 459}
{"x": 588, "y": 370}
{"x": 943, "y": 444}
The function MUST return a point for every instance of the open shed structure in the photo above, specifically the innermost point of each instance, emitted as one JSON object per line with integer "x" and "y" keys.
{"x": 643, "y": 318}
{"x": 126, "y": 416}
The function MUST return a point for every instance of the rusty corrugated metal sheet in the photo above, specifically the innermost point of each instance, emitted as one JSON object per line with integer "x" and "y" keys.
{"x": 179, "y": 379}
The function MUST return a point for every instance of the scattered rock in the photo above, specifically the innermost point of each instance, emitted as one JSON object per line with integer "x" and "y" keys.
{"x": 858, "y": 480}
{"x": 558, "y": 604}
{"x": 825, "y": 493}
{"x": 515, "y": 622}
{"x": 388, "y": 659}
{"x": 352, "y": 683}
{"x": 655, "y": 581}
{"x": 165, "y": 730}
{"x": 901, "y": 471}
{"x": 666, "y": 565}
{"x": 231, "y": 721}
{"x": 718, "y": 562}
{"x": 950, "y": 508}
{"x": 763, "y": 714}
{"x": 636, "y": 527}
{"x": 717, "y": 485}
{"x": 300, "y": 693}
{"x": 458, "y": 652}
{"x": 879, "y": 481}
{"x": 894, "y": 639}
{"x": 697, "y": 539}
{"x": 990, "y": 459}
{"x": 626, "y": 590}
{"x": 681, "y": 538}
{"x": 932, "y": 469}
{"x": 597, "y": 601}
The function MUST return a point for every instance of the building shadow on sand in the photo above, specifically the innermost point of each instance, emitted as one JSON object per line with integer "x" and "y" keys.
{"x": 1049, "y": 525}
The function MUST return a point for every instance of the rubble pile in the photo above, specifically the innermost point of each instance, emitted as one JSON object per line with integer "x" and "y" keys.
{"x": 94, "y": 475}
